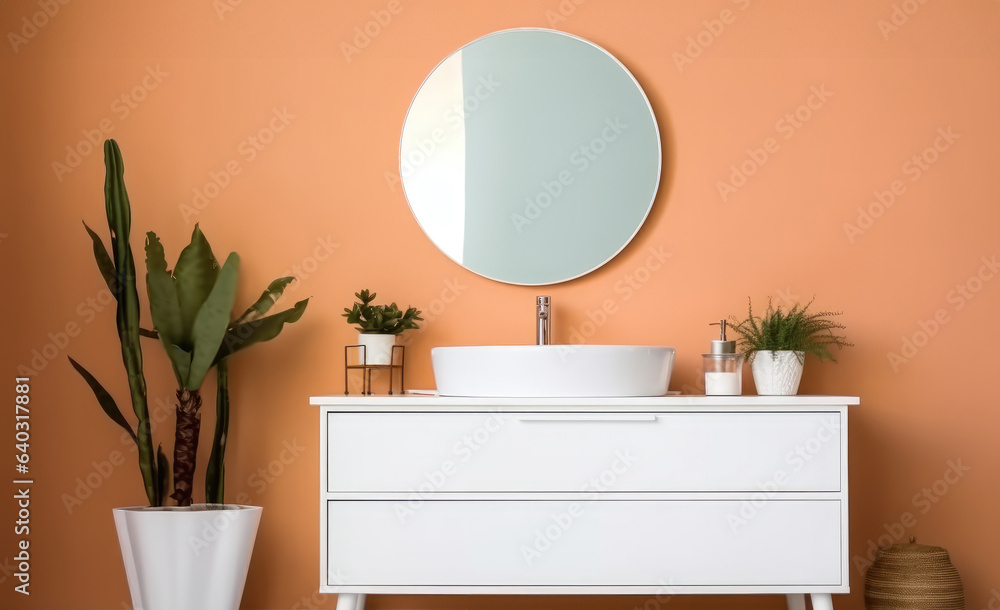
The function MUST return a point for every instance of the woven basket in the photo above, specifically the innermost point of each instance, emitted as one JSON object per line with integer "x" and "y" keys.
{"x": 913, "y": 577}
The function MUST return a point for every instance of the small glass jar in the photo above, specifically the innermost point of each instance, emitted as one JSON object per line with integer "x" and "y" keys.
{"x": 723, "y": 374}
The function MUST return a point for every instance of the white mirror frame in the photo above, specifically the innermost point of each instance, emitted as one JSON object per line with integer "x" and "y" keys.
{"x": 404, "y": 150}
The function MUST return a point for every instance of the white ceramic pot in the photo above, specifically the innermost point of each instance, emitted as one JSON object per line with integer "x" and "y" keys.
{"x": 777, "y": 373}
{"x": 378, "y": 347}
{"x": 187, "y": 558}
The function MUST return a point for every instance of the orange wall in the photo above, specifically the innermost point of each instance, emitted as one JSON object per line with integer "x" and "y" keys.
{"x": 220, "y": 76}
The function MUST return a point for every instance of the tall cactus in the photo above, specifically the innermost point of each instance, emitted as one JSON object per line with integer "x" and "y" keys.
{"x": 119, "y": 274}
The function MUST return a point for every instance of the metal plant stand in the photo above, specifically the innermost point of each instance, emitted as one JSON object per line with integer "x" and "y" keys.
{"x": 395, "y": 368}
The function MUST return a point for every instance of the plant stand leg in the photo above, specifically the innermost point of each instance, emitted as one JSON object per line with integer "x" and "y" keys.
{"x": 350, "y": 601}
{"x": 822, "y": 601}
{"x": 796, "y": 601}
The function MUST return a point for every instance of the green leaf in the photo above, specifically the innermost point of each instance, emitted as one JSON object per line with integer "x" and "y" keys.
{"x": 353, "y": 315}
{"x": 163, "y": 304}
{"x": 795, "y": 329}
{"x": 181, "y": 361}
{"x": 195, "y": 276}
{"x": 116, "y": 204}
{"x": 242, "y": 336}
{"x": 119, "y": 213}
{"x": 380, "y": 319}
{"x": 267, "y": 299}
{"x": 210, "y": 324}
{"x": 104, "y": 399}
{"x": 104, "y": 262}
{"x": 215, "y": 474}
{"x": 162, "y": 475}
{"x": 149, "y": 467}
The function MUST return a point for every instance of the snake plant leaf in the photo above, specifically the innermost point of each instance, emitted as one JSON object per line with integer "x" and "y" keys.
{"x": 119, "y": 214}
{"x": 116, "y": 204}
{"x": 195, "y": 275}
{"x": 215, "y": 474}
{"x": 268, "y": 298}
{"x": 180, "y": 359}
{"x": 104, "y": 398}
{"x": 163, "y": 304}
{"x": 104, "y": 262}
{"x": 162, "y": 474}
{"x": 210, "y": 324}
{"x": 148, "y": 468}
{"x": 242, "y": 336}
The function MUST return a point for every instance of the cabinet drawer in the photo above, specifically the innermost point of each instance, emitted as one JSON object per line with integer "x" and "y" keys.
{"x": 598, "y": 542}
{"x": 429, "y": 453}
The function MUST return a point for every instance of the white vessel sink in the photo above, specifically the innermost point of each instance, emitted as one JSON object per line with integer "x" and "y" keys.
{"x": 504, "y": 371}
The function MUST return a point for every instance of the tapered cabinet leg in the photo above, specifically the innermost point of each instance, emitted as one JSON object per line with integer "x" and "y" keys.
{"x": 822, "y": 601}
{"x": 350, "y": 601}
{"x": 796, "y": 601}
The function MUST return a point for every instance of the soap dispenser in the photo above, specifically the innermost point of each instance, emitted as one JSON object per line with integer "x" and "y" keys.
{"x": 723, "y": 366}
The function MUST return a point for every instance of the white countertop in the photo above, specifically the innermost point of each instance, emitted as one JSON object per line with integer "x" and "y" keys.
{"x": 457, "y": 403}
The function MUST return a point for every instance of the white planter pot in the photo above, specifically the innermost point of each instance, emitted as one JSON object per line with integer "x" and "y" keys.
{"x": 187, "y": 558}
{"x": 777, "y": 373}
{"x": 378, "y": 348}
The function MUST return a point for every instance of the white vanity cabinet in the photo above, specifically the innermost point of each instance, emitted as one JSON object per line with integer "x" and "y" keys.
{"x": 642, "y": 496}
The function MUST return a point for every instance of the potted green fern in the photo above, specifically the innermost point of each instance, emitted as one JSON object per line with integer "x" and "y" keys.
{"x": 378, "y": 326}
{"x": 777, "y": 342}
{"x": 188, "y": 556}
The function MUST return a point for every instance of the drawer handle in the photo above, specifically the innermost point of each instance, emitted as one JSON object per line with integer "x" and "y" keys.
{"x": 586, "y": 418}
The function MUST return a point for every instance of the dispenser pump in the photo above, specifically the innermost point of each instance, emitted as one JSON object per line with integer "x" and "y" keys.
{"x": 723, "y": 366}
{"x": 722, "y": 346}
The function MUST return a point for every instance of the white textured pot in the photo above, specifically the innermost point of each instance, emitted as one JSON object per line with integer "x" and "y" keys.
{"x": 378, "y": 347}
{"x": 777, "y": 373}
{"x": 187, "y": 558}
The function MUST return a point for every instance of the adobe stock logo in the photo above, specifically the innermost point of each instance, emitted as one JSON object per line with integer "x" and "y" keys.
{"x": 713, "y": 30}
{"x": 994, "y": 601}
{"x": 958, "y": 297}
{"x": 31, "y": 26}
{"x": 122, "y": 107}
{"x": 250, "y": 148}
{"x": 899, "y": 17}
{"x": 416, "y": 151}
{"x": 581, "y": 160}
{"x": 564, "y": 11}
{"x": 787, "y": 126}
{"x": 915, "y": 167}
{"x": 365, "y": 34}
{"x": 224, "y": 7}
{"x": 923, "y": 501}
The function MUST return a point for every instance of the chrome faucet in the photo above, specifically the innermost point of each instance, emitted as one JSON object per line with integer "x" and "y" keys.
{"x": 543, "y": 319}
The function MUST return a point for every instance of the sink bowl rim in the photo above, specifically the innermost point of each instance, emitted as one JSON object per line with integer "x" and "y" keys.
{"x": 568, "y": 346}
{"x": 561, "y": 370}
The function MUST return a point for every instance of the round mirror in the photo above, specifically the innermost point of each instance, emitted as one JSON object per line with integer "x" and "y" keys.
{"x": 530, "y": 156}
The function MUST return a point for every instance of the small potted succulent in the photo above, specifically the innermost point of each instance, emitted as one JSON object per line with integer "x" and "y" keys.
{"x": 777, "y": 342}
{"x": 378, "y": 326}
